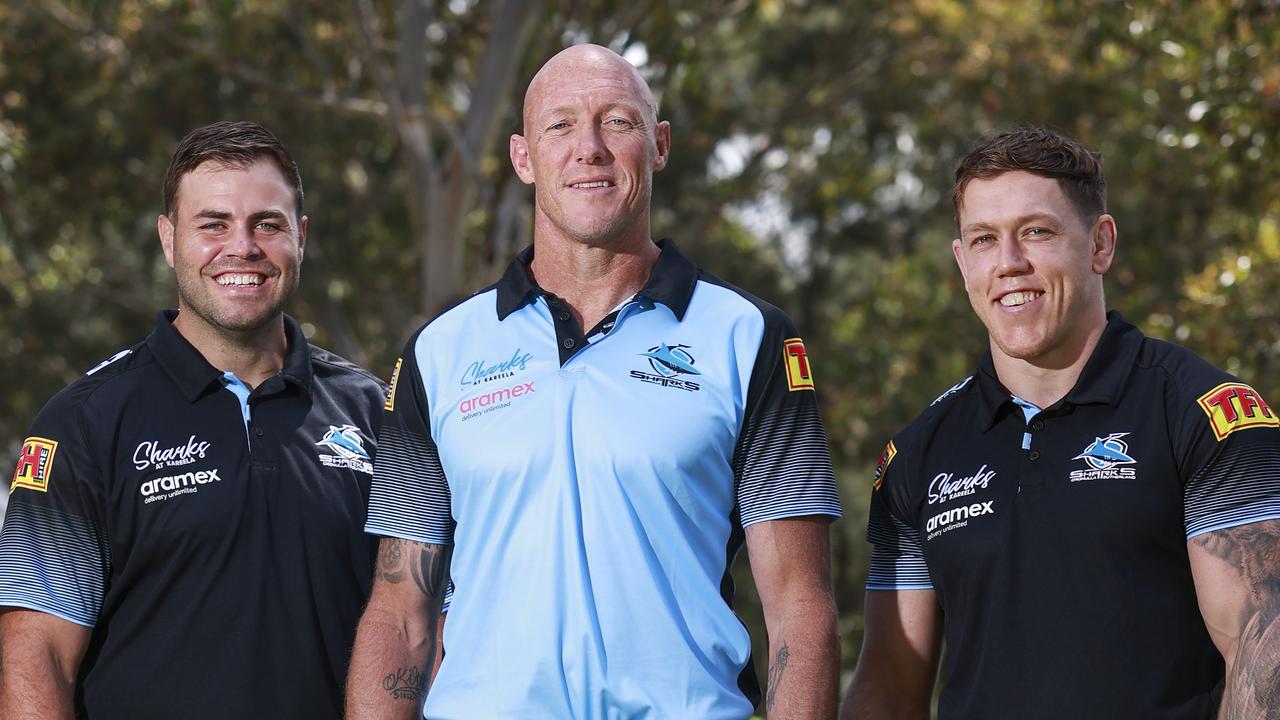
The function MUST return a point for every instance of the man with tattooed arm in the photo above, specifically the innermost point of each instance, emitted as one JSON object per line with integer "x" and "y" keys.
{"x": 584, "y": 447}
{"x": 1089, "y": 525}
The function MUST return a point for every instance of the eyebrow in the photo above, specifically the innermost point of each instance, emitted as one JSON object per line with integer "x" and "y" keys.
{"x": 253, "y": 217}
{"x": 1020, "y": 220}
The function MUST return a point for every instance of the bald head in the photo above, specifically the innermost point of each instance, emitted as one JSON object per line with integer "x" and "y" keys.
{"x": 574, "y": 67}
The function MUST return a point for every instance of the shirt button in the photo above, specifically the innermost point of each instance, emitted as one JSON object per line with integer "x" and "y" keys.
{"x": 1037, "y": 425}
{"x": 1035, "y": 455}
{"x": 563, "y": 316}
{"x": 568, "y": 343}
{"x": 258, "y": 432}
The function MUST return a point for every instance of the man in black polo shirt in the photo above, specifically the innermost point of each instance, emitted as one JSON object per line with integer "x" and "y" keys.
{"x": 1086, "y": 528}
{"x": 184, "y": 532}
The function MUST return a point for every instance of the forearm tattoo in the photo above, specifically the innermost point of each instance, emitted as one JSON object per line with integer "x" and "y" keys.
{"x": 776, "y": 670}
{"x": 406, "y": 683}
{"x": 1252, "y": 690}
{"x": 427, "y": 564}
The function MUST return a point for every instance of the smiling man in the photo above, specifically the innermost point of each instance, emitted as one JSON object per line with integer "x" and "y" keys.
{"x": 184, "y": 532}
{"x": 634, "y": 420}
{"x": 1087, "y": 527}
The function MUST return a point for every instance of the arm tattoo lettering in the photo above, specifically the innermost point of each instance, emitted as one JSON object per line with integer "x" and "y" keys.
{"x": 1252, "y": 691}
{"x": 776, "y": 670}
{"x": 406, "y": 683}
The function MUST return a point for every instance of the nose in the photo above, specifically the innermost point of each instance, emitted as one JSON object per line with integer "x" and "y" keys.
{"x": 242, "y": 243}
{"x": 1013, "y": 258}
{"x": 591, "y": 148}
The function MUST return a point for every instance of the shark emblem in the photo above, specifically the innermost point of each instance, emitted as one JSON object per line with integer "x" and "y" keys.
{"x": 671, "y": 360}
{"x": 345, "y": 441}
{"x": 1105, "y": 453}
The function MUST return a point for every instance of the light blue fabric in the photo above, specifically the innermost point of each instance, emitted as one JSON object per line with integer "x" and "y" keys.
{"x": 241, "y": 391}
{"x": 1029, "y": 411}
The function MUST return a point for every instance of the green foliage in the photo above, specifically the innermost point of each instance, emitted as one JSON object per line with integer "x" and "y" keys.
{"x": 813, "y": 147}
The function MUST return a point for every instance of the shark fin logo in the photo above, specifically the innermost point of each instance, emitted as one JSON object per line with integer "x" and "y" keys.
{"x": 345, "y": 441}
{"x": 671, "y": 360}
{"x": 1104, "y": 456}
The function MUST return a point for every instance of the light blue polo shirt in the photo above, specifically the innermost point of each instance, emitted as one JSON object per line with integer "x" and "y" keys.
{"x": 595, "y": 487}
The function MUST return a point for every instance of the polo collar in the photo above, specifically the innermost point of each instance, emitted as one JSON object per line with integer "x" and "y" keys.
{"x": 1102, "y": 380}
{"x": 671, "y": 281}
{"x": 195, "y": 377}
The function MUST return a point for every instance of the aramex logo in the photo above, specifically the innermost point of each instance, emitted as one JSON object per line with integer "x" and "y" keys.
{"x": 152, "y": 488}
{"x": 948, "y": 517}
{"x": 493, "y": 398}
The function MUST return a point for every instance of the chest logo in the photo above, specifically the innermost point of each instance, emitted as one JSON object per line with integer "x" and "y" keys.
{"x": 946, "y": 487}
{"x": 1104, "y": 456}
{"x": 1234, "y": 406}
{"x": 483, "y": 371}
{"x": 485, "y": 403}
{"x": 149, "y": 454}
{"x": 670, "y": 363}
{"x": 348, "y": 449}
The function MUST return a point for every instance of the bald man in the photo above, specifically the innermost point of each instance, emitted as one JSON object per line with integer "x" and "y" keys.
{"x": 584, "y": 447}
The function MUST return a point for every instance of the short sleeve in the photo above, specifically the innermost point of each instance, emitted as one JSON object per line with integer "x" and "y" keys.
{"x": 782, "y": 467}
{"x": 54, "y": 554}
{"x": 409, "y": 497}
{"x": 1232, "y": 457}
{"x": 897, "y": 560}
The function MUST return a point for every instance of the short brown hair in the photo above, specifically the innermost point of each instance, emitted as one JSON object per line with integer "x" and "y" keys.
{"x": 1043, "y": 152}
{"x": 237, "y": 144}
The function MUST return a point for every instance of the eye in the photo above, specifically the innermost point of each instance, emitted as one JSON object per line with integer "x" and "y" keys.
{"x": 559, "y": 126}
{"x": 983, "y": 239}
{"x": 268, "y": 228}
{"x": 1037, "y": 232}
{"x": 617, "y": 122}
{"x": 212, "y": 226}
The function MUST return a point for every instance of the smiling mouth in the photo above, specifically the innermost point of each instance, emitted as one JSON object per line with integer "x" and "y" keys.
{"x": 594, "y": 184}
{"x": 239, "y": 279}
{"x": 1014, "y": 299}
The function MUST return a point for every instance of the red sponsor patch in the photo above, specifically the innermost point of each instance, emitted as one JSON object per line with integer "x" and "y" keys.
{"x": 1236, "y": 406}
{"x": 886, "y": 457}
{"x": 390, "y": 404}
{"x": 799, "y": 372}
{"x": 35, "y": 463}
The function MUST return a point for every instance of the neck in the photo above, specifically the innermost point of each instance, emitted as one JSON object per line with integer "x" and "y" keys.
{"x": 592, "y": 280}
{"x": 1045, "y": 381}
{"x": 253, "y": 355}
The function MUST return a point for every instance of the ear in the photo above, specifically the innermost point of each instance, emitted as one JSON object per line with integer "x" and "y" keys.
{"x": 520, "y": 159}
{"x": 1104, "y": 243}
{"x": 164, "y": 226}
{"x": 957, "y": 249}
{"x": 663, "y": 137}
{"x": 302, "y": 236}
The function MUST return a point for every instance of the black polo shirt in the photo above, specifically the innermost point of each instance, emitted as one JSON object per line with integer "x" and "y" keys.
{"x": 221, "y": 563}
{"x": 1058, "y": 546}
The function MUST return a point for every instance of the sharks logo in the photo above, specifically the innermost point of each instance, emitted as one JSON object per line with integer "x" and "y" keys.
{"x": 671, "y": 360}
{"x": 348, "y": 448}
{"x": 1103, "y": 456}
{"x": 669, "y": 363}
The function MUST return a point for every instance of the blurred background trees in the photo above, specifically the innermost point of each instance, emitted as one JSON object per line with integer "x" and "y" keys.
{"x": 813, "y": 144}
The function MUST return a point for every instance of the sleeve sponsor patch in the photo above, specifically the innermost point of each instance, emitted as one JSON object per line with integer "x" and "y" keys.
{"x": 886, "y": 457}
{"x": 35, "y": 463}
{"x": 799, "y": 372}
{"x": 390, "y": 404}
{"x": 1235, "y": 406}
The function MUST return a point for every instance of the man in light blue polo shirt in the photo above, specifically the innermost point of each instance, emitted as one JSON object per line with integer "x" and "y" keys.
{"x": 584, "y": 447}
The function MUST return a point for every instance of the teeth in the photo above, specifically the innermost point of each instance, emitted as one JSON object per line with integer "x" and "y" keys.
{"x": 600, "y": 183}
{"x": 1019, "y": 298}
{"x": 239, "y": 279}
